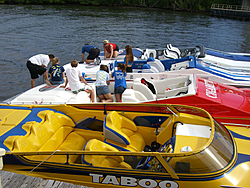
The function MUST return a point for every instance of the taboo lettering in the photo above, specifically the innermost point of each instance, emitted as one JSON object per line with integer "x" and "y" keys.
{"x": 132, "y": 182}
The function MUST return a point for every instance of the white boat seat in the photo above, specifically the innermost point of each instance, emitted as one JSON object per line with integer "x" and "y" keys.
{"x": 151, "y": 70}
{"x": 149, "y": 53}
{"x": 157, "y": 64}
{"x": 138, "y": 86}
{"x": 174, "y": 50}
{"x": 131, "y": 95}
{"x": 176, "y": 91}
{"x": 180, "y": 65}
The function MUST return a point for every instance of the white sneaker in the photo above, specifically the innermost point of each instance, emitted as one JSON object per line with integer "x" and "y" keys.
{"x": 97, "y": 61}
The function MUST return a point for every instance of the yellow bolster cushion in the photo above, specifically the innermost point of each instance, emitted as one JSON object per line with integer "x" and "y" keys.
{"x": 127, "y": 123}
{"x": 97, "y": 145}
{"x": 25, "y": 144}
{"x": 55, "y": 141}
{"x": 72, "y": 142}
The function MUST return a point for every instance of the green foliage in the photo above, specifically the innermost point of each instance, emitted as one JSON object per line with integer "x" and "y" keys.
{"x": 183, "y": 5}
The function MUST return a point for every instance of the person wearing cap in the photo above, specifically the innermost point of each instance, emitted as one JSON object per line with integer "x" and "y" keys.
{"x": 93, "y": 52}
{"x": 36, "y": 65}
{"x": 110, "y": 49}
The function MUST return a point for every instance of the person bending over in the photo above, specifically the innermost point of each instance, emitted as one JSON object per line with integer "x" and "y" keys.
{"x": 37, "y": 66}
{"x": 93, "y": 54}
{"x": 110, "y": 49}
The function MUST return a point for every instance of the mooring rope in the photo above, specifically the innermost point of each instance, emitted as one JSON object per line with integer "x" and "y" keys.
{"x": 41, "y": 162}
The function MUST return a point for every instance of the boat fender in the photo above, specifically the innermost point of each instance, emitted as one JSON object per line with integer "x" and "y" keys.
{"x": 111, "y": 67}
{"x": 150, "y": 59}
{"x": 202, "y": 51}
{"x": 146, "y": 66}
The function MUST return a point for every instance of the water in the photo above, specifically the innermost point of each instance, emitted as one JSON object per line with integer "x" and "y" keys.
{"x": 26, "y": 30}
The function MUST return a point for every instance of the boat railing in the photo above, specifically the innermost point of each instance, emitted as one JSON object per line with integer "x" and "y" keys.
{"x": 139, "y": 155}
{"x": 230, "y": 7}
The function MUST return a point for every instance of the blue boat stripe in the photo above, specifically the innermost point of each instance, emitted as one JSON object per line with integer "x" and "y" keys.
{"x": 234, "y": 57}
{"x": 238, "y": 75}
{"x": 18, "y": 130}
{"x": 216, "y": 73}
{"x": 236, "y": 135}
{"x": 117, "y": 134}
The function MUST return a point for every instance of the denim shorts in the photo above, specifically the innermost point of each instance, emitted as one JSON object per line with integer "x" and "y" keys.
{"x": 119, "y": 90}
{"x": 102, "y": 90}
{"x": 56, "y": 82}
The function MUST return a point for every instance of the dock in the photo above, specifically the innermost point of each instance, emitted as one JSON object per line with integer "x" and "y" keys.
{"x": 230, "y": 11}
{"x": 12, "y": 180}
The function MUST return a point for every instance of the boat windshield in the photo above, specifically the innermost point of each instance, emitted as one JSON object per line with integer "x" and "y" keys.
{"x": 215, "y": 157}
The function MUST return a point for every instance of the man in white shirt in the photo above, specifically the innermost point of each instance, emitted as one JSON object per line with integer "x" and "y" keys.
{"x": 72, "y": 77}
{"x": 36, "y": 65}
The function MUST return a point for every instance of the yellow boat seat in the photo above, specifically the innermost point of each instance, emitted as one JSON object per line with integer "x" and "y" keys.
{"x": 103, "y": 160}
{"x": 121, "y": 131}
{"x": 54, "y": 132}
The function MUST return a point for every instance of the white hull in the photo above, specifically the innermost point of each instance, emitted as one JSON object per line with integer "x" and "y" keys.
{"x": 59, "y": 95}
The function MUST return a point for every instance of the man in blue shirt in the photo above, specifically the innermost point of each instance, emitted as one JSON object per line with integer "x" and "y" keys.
{"x": 93, "y": 54}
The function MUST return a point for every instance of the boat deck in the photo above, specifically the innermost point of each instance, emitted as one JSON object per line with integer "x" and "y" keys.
{"x": 10, "y": 179}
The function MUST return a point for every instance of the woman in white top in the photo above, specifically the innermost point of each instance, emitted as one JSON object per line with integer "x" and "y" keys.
{"x": 102, "y": 82}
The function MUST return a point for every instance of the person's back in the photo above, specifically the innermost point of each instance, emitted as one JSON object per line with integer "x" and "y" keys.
{"x": 101, "y": 78}
{"x": 73, "y": 74}
{"x": 129, "y": 58}
{"x": 120, "y": 81}
{"x": 40, "y": 59}
{"x": 56, "y": 72}
{"x": 102, "y": 82}
{"x": 87, "y": 48}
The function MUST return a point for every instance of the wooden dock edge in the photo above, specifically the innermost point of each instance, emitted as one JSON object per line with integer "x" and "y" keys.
{"x": 230, "y": 11}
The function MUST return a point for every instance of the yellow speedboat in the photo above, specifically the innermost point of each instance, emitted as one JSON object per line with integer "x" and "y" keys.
{"x": 124, "y": 145}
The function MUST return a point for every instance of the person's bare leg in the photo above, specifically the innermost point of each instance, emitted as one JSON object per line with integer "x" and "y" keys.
{"x": 108, "y": 55}
{"x": 118, "y": 97}
{"x": 92, "y": 96}
{"x": 88, "y": 61}
{"x": 108, "y": 97}
{"x": 115, "y": 53}
{"x": 33, "y": 83}
{"x": 46, "y": 78}
{"x": 102, "y": 98}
